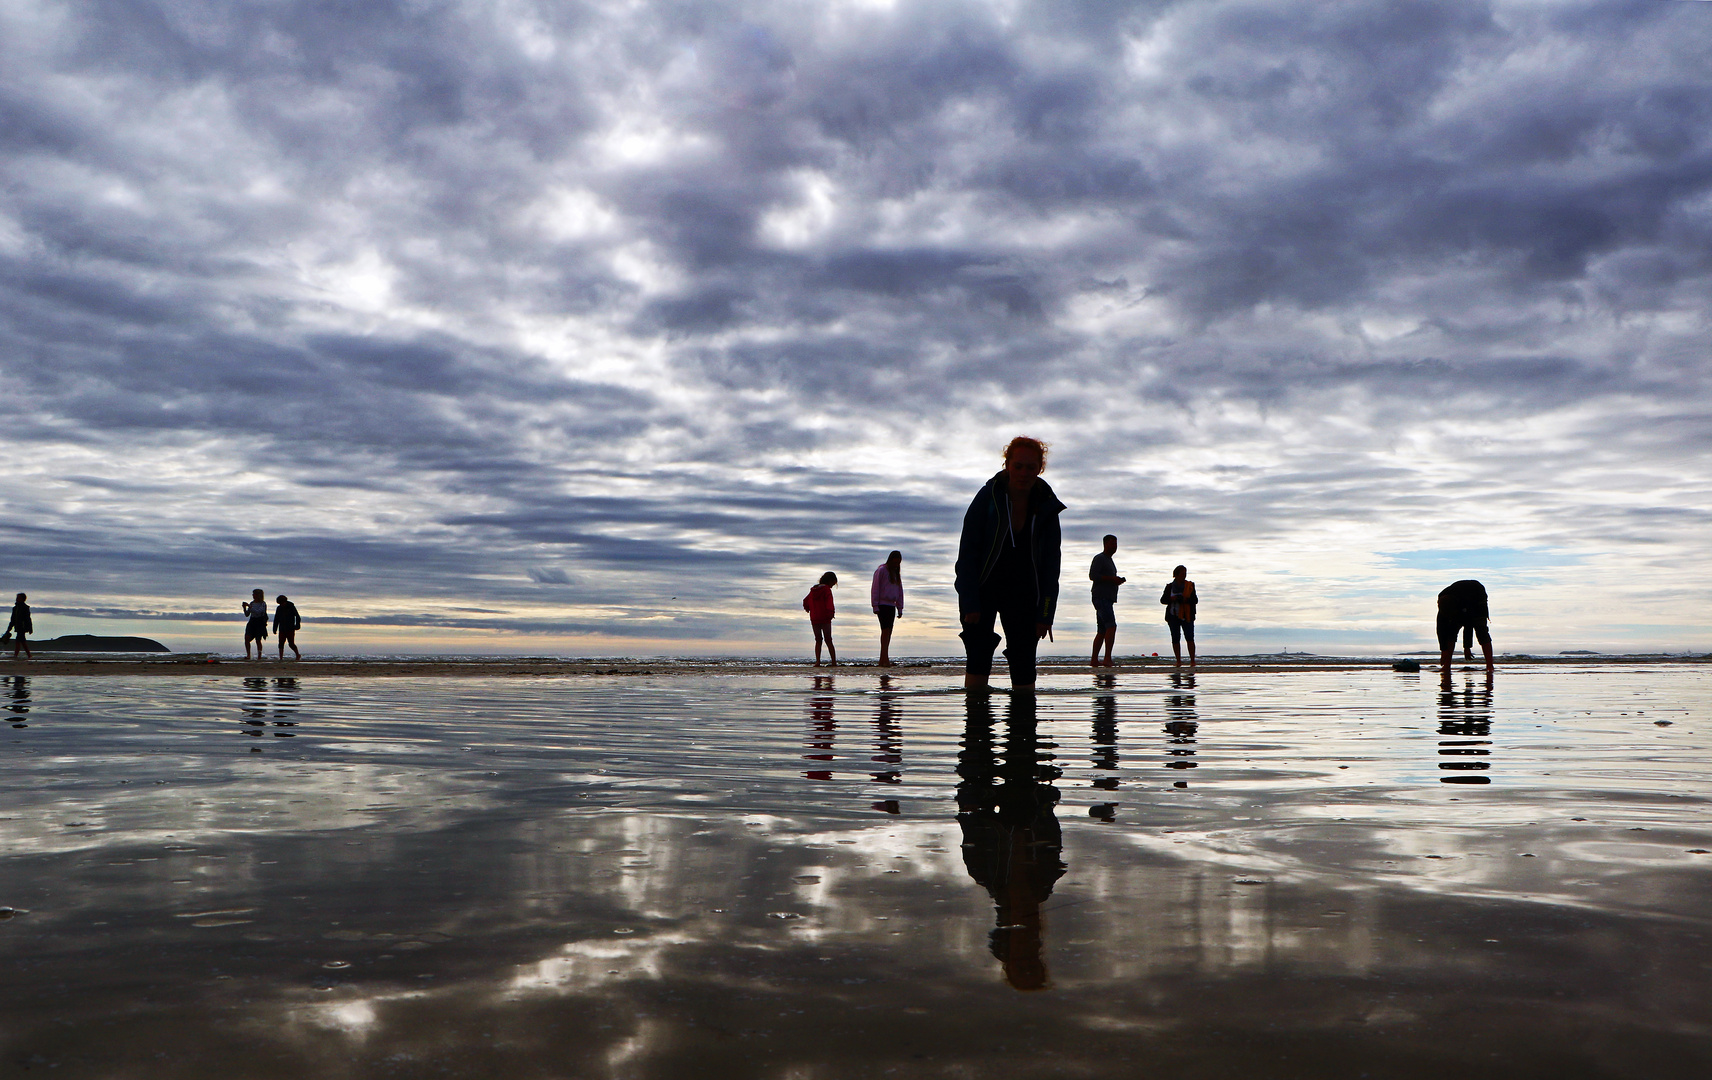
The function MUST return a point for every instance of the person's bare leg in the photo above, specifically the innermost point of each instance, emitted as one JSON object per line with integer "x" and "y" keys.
{"x": 817, "y": 646}
{"x": 1191, "y": 652}
{"x": 885, "y": 646}
{"x": 831, "y": 650}
{"x": 1094, "y": 660}
{"x": 1111, "y": 639}
{"x": 1444, "y": 660}
{"x": 975, "y": 683}
{"x": 1486, "y": 647}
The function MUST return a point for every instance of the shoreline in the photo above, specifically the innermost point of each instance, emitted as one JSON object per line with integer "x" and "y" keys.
{"x": 199, "y": 664}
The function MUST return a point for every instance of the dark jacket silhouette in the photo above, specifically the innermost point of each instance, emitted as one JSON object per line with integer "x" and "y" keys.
{"x": 986, "y": 527}
{"x": 285, "y": 618}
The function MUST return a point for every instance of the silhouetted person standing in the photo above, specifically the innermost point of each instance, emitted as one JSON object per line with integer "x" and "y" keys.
{"x": 256, "y": 628}
{"x": 1007, "y": 566}
{"x": 285, "y": 624}
{"x": 886, "y": 597}
{"x": 821, "y": 611}
{"x": 1180, "y": 599}
{"x": 1462, "y": 605}
{"x": 1104, "y": 574}
{"x": 21, "y": 625}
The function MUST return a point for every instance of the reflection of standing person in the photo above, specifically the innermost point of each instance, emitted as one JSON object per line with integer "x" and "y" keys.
{"x": 1013, "y": 845}
{"x": 1462, "y": 605}
{"x": 886, "y": 596}
{"x": 1180, "y": 599}
{"x": 285, "y": 624}
{"x": 1104, "y": 574}
{"x": 21, "y": 625}
{"x": 256, "y": 629}
{"x": 1007, "y": 566}
{"x": 818, "y": 604}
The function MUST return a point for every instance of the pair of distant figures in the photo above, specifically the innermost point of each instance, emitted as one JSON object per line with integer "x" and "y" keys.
{"x": 1179, "y": 598}
{"x": 285, "y": 623}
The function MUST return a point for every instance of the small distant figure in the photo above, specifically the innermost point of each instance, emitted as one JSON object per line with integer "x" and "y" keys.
{"x": 886, "y": 596}
{"x": 1180, "y": 599}
{"x": 1462, "y": 607}
{"x": 818, "y": 604}
{"x": 285, "y": 624}
{"x": 1008, "y": 560}
{"x": 256, "y": 630}
{"x": 21, "y": 625}
{"x": 1104, "y": 574}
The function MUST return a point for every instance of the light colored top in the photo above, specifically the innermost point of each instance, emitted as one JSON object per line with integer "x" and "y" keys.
{"x": 886, "y": 591}
{"x": 255, "y": 609}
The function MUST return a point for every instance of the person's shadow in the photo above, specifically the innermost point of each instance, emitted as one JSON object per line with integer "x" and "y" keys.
{"x": 1012, "y": 844}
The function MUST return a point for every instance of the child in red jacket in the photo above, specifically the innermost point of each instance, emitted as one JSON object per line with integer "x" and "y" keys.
{"x": 818, "y": 604}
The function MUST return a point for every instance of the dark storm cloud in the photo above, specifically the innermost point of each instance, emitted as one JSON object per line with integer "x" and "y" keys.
{"x": 559, "y": 303}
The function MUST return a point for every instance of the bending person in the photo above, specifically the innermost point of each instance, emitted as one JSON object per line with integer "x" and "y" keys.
{"x": 1462, "y": 606}
{"x": 1007, "y": 566}
{"x": 886, "y": 597}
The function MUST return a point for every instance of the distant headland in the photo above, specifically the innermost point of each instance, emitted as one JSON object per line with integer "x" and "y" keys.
{"x": 98, "y": 643}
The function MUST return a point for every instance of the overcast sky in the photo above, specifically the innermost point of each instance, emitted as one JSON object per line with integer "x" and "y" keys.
{"x": 606, "y": 328}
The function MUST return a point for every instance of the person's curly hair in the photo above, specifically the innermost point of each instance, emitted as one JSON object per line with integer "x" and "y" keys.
{"x": 1026, "y": 441}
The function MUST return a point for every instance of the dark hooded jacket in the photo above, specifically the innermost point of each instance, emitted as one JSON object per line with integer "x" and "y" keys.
{"x": 985, "y": 528}
{"x": 285, "y": 618}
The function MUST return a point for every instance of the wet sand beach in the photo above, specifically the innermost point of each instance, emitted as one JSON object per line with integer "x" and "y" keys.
{"x": 1269, "y": 869}
{"x": 200, "y": 664}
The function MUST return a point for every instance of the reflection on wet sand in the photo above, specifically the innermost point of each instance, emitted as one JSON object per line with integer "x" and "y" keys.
{"x": 1103, "y": 755}
{"x": 1466, "y": 716}
{"x": 820, "y": 743}
{"x": 1011, "y": 838}
{"x": 636, "y": 880}
{"x": 1181, "y": 724}
{"x": 18, "y": 689}
{"x": 822, "y": 728}
{"x": 261, "y": 703}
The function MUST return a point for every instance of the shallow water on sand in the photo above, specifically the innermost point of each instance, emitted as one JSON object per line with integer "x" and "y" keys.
{"x": 1319, "y": 875}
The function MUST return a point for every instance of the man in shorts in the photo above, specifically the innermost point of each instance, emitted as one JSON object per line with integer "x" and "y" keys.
{"x": 1462, "y": 605}
{"x": 1104, "y": 574}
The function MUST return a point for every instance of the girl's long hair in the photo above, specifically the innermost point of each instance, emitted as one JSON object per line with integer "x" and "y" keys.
{"x": 893, "y": 562}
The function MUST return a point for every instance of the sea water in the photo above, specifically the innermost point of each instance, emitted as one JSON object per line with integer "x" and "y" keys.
{"x": 1315, "y": 874}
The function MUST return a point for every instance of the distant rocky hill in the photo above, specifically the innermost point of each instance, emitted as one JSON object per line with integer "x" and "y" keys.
{"x": 97, "y": 643}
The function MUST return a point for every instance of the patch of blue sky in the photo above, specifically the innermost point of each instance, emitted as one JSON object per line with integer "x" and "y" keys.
{"x": 1477, "y": 559}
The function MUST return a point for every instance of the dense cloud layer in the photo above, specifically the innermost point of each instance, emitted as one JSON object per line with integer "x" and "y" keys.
{"x": 618, "y": 324}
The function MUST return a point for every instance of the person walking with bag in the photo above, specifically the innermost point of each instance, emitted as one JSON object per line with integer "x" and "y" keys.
{"x": 21, "y": 625}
